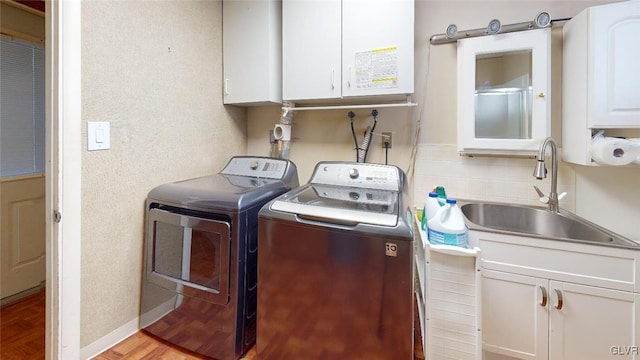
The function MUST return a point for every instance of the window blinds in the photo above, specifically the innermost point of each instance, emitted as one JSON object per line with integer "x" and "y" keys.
{"x": 22, "y": 108}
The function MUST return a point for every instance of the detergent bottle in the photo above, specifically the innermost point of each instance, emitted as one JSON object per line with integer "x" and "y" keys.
{"x": 447, "y": 226}
{"x": 431, "y": 207}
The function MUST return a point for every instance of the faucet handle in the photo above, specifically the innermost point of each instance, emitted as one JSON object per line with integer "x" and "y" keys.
{"x": 543, "y": 198}
{"x": 561, "y": 195}
{"x": 538, "y": 191}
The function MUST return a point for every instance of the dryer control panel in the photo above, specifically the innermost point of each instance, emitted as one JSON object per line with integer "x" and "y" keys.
{"x": 258, "y": 167}
{"x": 364, "y": 175}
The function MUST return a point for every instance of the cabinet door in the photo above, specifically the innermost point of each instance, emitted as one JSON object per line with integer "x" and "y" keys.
{"x": 514, "y": 316}
{"x": 311, "y": 41}
{"x": 377, "y": 47}
{"x": 615, "y": 30}
{"x": 251, "y": 51}
{"x": 504, "y": 100}
{"x": 592, "y": 323}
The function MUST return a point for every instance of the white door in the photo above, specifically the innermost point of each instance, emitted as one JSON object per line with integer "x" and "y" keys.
{"x": 311, "y": 43}
{"x": 592, "y": 323}
{"x": 514, "y": 316}
{"x": 22, "y": 254}
{"x": 22, "y": 149}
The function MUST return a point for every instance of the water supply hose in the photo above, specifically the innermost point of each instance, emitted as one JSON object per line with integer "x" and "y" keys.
{"x": 353, "y": 132}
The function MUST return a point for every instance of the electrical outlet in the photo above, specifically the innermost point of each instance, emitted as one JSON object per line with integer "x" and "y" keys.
{"x": 387, "y": 137}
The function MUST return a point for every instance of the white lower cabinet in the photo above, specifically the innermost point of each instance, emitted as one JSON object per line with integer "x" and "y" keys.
{"x": 513, "y": 322}
{"x": 544, "y": 299}
{"x": 527, "y": 317}
{"x": 591, "y": 322}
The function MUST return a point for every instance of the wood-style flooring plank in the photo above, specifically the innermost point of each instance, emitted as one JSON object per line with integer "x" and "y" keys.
{"x": 22, "y": 326}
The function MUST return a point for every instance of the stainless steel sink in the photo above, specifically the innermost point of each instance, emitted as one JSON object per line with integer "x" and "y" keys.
{"x": 531, "y": 221}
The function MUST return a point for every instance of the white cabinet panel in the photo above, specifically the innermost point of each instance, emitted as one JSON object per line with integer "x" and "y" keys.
{"x": 614, "y": 54}
{"x": 252, "y": 56}
{"x": 347, "y": 49}
{"x": 311, "y": 52}
{"x": 590, "y": 322}
{"x": 505, "y": 298}
{"x": 377, "y": 47}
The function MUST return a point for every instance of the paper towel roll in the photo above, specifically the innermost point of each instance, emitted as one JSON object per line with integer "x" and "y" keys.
{"x": 613, "y": 151}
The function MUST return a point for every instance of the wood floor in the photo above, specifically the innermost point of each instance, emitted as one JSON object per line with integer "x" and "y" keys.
{"x": 22, "y": 327}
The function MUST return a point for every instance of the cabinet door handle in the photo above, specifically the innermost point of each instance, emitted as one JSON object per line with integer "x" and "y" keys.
{"x": 333, "y": 78}
{"x": 226, "y": 86}
{"x": 560, "y": 302}
{"x": 349, "y": 76}
{"x": 543, "y": 302}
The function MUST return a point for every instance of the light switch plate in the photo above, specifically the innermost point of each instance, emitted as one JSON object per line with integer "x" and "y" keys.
{"x": 98, "y": 137}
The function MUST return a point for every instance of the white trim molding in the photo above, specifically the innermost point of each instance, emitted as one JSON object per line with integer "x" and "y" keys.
{"x": 63, "y": 173}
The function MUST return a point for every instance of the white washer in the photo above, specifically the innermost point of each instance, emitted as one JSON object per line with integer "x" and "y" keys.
{"x": 335, "y": 267}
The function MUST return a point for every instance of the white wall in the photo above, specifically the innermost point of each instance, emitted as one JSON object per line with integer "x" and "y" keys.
{"x": 610, "y": 197}
{"x": 152, "y": 69}
{"x": 325, "y": 135}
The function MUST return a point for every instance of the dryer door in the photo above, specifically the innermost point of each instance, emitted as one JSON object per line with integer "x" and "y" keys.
{"x": 188, "y": 255}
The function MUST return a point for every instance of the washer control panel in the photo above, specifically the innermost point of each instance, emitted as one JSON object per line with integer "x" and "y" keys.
{"x": 256, "y": 167}
{"x": 365, "y": 175}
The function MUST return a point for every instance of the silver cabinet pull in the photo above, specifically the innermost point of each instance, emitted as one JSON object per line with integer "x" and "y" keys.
{"x": 543, "y": 302}
{"x": 559, "y": 303}
{"x": 333, "y": 78}
{"x": 226, "y": 86}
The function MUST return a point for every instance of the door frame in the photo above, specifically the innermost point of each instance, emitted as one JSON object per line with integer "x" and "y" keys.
{"x": 63, "y": 149}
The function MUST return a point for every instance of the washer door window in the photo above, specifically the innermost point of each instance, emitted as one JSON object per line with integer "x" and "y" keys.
{"x": 189, "y": 255}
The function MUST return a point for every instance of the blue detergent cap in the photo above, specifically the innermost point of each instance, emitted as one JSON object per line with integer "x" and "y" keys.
{"x": 433, "y": 194}
{"x": 451, "y": 201}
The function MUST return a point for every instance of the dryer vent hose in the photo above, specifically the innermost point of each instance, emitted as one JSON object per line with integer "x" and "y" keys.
{"x": 362, "y": 153}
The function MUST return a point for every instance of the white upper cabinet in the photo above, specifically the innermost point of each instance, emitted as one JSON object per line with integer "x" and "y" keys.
{"x": 336, "y": 49}
{"x": 377, "y": 47}
{"x": 252, "y": 52}
{"x": 504, "y": 100}
{"x": 311, "y": 51}
{"x": 601, "y": 76}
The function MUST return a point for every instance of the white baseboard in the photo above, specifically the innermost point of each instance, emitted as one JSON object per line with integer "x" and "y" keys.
{"x": 160, "y": 311}
{"x": 109, "y": 340}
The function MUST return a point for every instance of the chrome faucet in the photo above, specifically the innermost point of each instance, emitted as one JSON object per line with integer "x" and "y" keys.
{"x": 540, "y": 172}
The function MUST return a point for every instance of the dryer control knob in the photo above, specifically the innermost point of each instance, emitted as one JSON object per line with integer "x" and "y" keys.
{"x": 253, "y": 165}
{"x": 353, "y": 173}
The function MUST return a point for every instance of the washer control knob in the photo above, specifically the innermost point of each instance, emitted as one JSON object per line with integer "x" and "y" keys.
{"x": 253, "y": 165}
{"x": 353, "y": 173}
